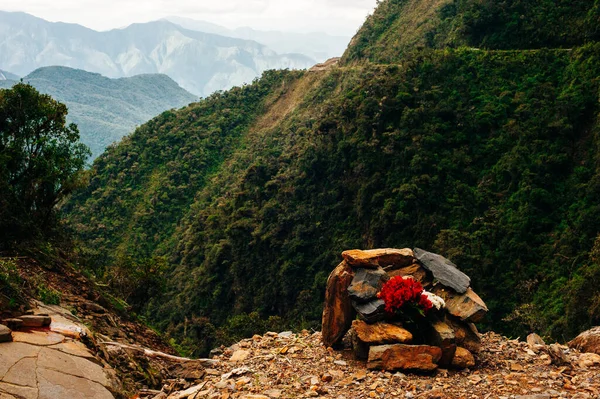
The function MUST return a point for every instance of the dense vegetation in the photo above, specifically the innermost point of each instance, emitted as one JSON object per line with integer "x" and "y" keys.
{"x": 106, "y": 109}
{"x": 400, "y": 27}
{"x": 40, "y": 157}
{"x": 230, "y": 214}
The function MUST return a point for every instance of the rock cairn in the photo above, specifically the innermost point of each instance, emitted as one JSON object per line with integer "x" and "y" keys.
{"x": 352, "y": 309}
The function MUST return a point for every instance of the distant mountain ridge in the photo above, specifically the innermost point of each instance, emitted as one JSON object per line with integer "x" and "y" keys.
{"x": 105, "y": 110}
{"x": 4, "y": 75}
{"x": 317, "y": 45}
{"x": 199, "y": 62}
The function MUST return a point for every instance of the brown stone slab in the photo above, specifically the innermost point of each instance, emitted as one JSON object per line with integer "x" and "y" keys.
{"x": 415, "y": 271}
{"x": 374, "y": 258}
{"x": 13, "y": 352}
{"x": 36, "y": 321}
{"x": 54, "y": 384}
{"x": 404, "y": 357}
{"x": 41, "y": 338}
{"x": 22, "y": 373}
{"x": 338, "y": 312}
{"x": 467, "y": 307}
{"x": 381, "y": 333}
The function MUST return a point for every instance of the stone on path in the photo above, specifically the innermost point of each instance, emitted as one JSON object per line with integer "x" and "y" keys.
{"x": 13, "y": 324}
{"x": 5, "y": 334}
{"x": 36, "y": 321}
{"x": 338, "y": 312}
{"x": 467, "y": 306}
{"x": 443, "y": 270}
{"x": 374, "y": 258}
{"x": 463, "y": 359}
{"x": 404, "y": 357}
{"x": 587, "y": 341}
{"x": 366, "y": 284}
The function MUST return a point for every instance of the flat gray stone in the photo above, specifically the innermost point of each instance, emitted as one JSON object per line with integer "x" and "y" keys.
{"x": 366, "y": 284}
{"x": 443, "y": 270}
{"x": 370, "y": 312}
{"x": 5, "y": 333}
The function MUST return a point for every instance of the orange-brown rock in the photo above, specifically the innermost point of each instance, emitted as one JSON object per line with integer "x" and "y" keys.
{"x": 404, "y": 357}
{"x": 338, "y": 312}
{"x": 442, "y": 335}
{"x": 468, "y": 306}
{"x": 381, "y": 333}
{"x": 463, "y": 359}
{"x": 466, "y": 334}
{"x": 374, "y": 258}
{"x": 587, "y": 341}
{"x": 415, "y": 270}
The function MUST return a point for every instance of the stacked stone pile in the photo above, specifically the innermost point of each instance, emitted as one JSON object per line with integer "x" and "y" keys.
{"x": 446, "y": 337}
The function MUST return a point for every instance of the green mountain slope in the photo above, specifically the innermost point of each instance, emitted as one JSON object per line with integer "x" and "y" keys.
{"x": 399, "y": 27}
{"x": 487, "y": 156}
{"x": 106, "y": 109}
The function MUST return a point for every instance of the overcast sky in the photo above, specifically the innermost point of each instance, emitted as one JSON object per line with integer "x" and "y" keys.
{"x": 342, "y": 17}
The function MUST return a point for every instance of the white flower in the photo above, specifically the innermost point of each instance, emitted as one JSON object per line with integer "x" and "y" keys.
{"x": 435, "y": 300}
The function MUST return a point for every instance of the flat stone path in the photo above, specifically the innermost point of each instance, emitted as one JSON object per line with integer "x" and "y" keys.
{"x": 52, "y": 363}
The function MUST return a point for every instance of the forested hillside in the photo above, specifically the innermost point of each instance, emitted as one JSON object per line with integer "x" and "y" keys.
{"x": 235, "y": 209}
{"x": 106, "y": 109}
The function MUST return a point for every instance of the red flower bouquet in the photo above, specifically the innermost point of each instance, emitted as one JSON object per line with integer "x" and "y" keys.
{"x": 404, "y": 293}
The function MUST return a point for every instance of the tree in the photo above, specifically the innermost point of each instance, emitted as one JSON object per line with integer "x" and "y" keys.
{"x": 40, "y": 159}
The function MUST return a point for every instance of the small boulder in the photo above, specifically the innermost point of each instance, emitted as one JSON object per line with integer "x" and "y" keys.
{"x": 366, "y": 284}
{"x": 442, "y": 335}
{"x": 467, "y": 306}
{"x": 443, "y": 270}
{"x": 371, "y": 312}
{"x": 463, "y": 359}
{"x": 587, "y": 341}
{"x": 239, "y": 356}
{"x": 13, "y": 324}
{"x": 374, "y": 258}
{"x": 534, "y": 339}
{"x": 338, "y": 312}
{"x": 588, "y": 360}
{"x": 36, "y": 321}
{"x": 466, "y": 334}
{"x": 404, "y": 357}
{"x": 5, "y": 334}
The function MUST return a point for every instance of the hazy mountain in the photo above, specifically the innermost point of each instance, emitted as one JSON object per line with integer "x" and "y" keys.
{"x": 200, "y": 62}
{"x": 317, "y": 45}
{"x": 107, "y": 109}
{"x": 7, "y": 76}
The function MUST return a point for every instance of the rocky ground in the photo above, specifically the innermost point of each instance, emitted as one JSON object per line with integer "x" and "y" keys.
{"x": 45, "y": 358}
{"x": 290, "y": 365}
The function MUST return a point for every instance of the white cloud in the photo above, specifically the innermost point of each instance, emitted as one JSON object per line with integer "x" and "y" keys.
{"x": 342, "y": 17}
